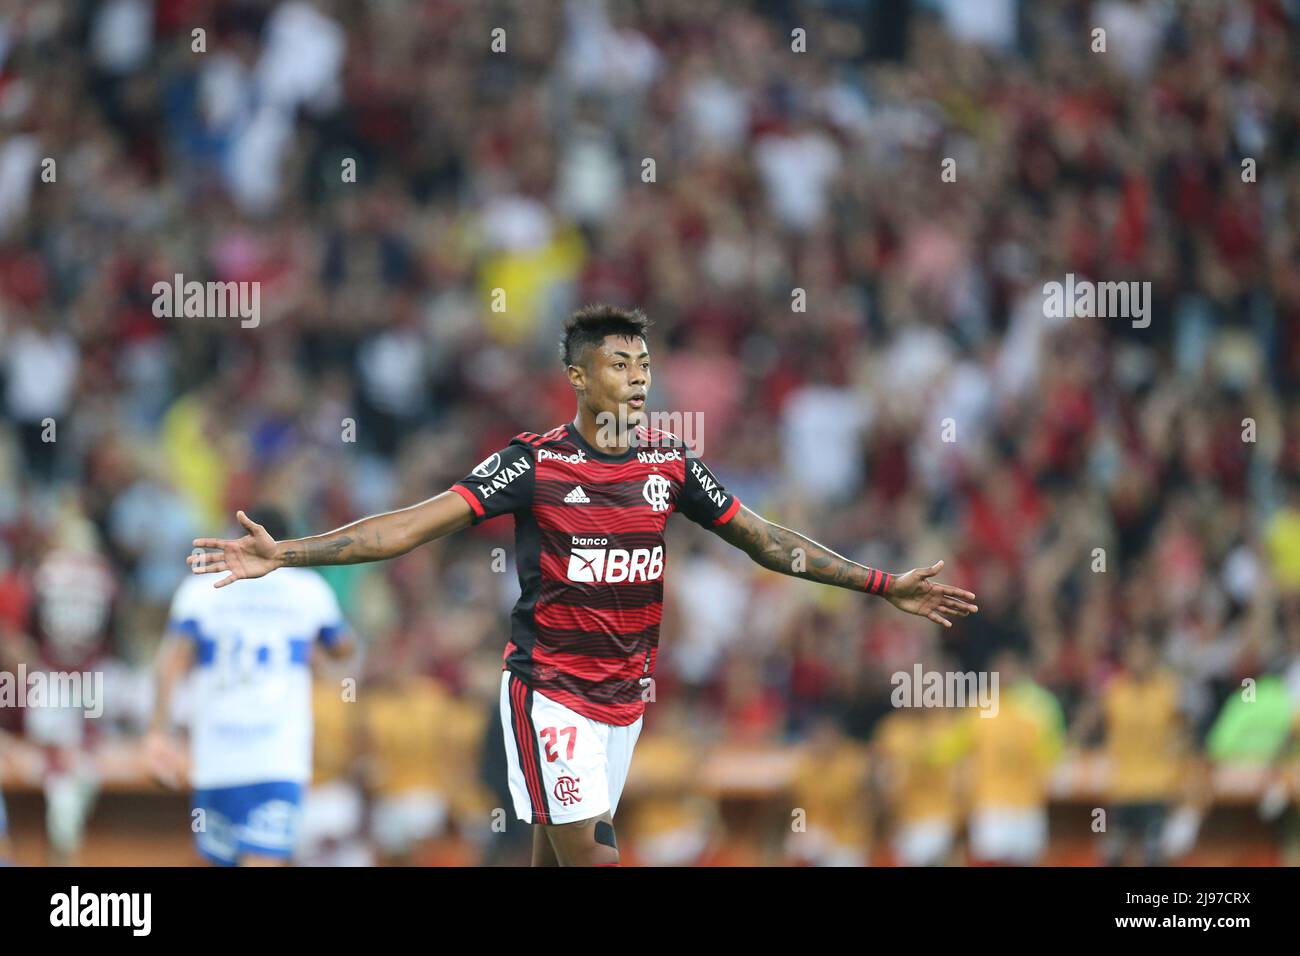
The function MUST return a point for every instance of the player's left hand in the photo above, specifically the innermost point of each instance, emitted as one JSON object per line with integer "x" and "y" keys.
{"x": 915, "y": 593}
{"x": 251, "y": 556}
{"x": 164, "y": 760}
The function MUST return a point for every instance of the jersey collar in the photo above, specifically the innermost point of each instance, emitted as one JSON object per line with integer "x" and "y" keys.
{"x": 576, "y": 437}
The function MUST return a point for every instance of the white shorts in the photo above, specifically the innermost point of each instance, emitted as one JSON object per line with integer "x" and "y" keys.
{"x": 923, "y": 842}
{"x": 399, "y": 822}
{"x": 331, "y": 812}
{"x": 563, "y": 766}
{"x": 1008, "y": 836}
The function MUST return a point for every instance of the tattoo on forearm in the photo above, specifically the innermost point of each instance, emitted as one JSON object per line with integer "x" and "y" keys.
{"x": 309, "y": 552}
{"x": 776, "y": 548}
{"x": 376, "y": 538}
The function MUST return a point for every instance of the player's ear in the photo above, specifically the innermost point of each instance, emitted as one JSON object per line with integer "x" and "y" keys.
{"x": 577, "y": 376}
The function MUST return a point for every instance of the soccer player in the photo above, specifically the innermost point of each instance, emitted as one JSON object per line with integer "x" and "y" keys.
{"x": 917, "y": 784}
{"x": 1011, "y": 754}
{"x": 590, "y": 499}
{"x": 251, "y": 723}
{"x": 1146, "y": 743}
{"x": 832, "y": 786}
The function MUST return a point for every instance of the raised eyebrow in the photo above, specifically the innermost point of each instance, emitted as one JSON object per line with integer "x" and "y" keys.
{"x": 629, "y": 354}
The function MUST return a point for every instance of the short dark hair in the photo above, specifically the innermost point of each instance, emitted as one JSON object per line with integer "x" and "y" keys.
{"x": 589, "y": 325}
{"x": 272, "y": 519}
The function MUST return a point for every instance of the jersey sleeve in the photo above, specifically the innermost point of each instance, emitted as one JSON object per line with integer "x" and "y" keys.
{"x": 331, "y": 626}
{"x": 703, "y": 499}
{"x": 186, "y": 614}
{"x": 502, "y": 483}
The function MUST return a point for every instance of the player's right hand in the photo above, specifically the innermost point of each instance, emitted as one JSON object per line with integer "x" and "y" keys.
{"x": 251, "y": 556}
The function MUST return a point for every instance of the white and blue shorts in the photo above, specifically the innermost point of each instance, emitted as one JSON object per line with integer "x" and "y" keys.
{"x": 262, "y": 819}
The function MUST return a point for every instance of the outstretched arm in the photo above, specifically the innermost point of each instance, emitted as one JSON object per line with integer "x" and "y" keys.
{"x": 375, "y": 538}
{"x": 780, "y": 549}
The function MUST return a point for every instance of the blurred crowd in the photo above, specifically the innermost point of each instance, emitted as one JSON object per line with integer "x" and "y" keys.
{"x": 425, "y": 189}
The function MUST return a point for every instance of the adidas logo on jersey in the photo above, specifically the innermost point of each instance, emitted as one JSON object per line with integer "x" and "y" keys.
{"x": 577, "y": 497}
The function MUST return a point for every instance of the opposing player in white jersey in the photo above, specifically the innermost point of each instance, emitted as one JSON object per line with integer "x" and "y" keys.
{"x": 251, "y": 722}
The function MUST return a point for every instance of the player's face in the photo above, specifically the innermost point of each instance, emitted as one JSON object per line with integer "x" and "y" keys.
{"x": 618, "y": 380}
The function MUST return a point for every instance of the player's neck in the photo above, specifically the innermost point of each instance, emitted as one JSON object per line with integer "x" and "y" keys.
{"x": 608, "y": 439}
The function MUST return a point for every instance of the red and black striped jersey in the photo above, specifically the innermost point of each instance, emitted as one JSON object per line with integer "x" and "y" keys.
{"x": 589, "y": 540}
